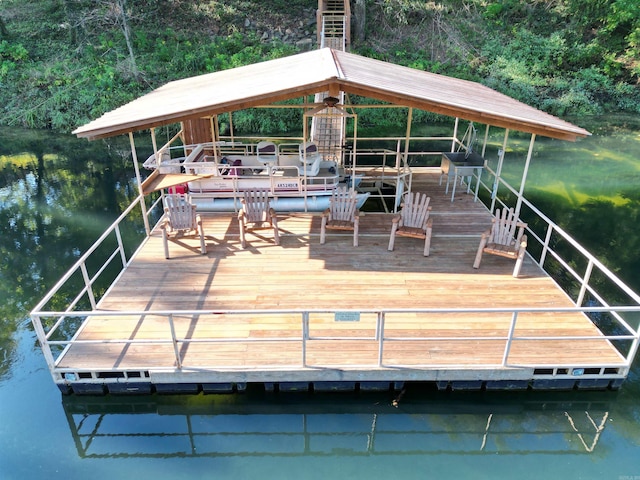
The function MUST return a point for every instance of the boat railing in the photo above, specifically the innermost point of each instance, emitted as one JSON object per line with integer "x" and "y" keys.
{"x": 382, "y": 328}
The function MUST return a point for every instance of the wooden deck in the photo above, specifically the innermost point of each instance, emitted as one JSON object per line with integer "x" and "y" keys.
{"x": 302, "y": 274}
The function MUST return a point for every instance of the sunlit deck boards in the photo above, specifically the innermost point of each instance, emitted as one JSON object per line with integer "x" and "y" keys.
{"x": 302, "y": 274}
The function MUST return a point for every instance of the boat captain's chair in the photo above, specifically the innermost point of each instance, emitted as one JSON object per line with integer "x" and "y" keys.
{"x": 180, "y": 218}
{"x": 342, "y": 213}
{"x": 267, "y": 153}
{"x": 256, "y": 214}
{"x": 505, "y": 238}
{"x": 310, "y": 157}
{"x": 413, "y": 220}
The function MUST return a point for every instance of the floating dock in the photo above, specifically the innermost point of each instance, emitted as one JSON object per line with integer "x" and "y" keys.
{"x": 305, "y": 316}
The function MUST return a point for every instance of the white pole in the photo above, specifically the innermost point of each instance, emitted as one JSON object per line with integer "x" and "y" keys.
{"x": 496, "y": 181}
{"x": 524, "y": 174}
{"x": 486, "y": 138}
{"x": 143, "y": 206}
{"x": 455, "y": 135}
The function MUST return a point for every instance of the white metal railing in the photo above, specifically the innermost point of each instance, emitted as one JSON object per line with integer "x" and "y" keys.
{"x": 380, "y": 326}
{"x": 54, "y": 321}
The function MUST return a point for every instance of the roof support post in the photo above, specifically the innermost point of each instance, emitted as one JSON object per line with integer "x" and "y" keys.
{"x": 496, "y": 182}
{"x": 407, "y": 137}
{"x": 154, "y": 141}
{"x": 486, "y": 138}
{"x": 215, "y": 136}
{"x": 455, "y": 135}
{"x": 524, "y": 174}
{"x": 354, "y": 156}
{"x": 143, "y": 206}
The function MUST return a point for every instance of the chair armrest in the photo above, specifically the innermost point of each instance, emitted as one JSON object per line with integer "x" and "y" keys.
{"x": 523, "y": 242}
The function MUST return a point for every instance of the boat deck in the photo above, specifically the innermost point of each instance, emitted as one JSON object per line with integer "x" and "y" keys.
{"x": 301, "y": 274}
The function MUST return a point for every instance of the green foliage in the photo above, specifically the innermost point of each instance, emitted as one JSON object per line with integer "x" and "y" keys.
{"x": 10, "y": 56}
{"x": 65, "y": 63}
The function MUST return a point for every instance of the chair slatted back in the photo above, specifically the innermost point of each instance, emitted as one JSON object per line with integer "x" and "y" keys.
{"x": 343, "y": 205}
{"x": 180, "y": 211}
{"x": 256, "y": 205}
{"x": 506, "y": 229}
{"x": 415, "y": 210}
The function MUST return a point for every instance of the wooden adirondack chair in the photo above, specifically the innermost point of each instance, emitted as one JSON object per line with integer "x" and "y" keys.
{"x": 256, "y": 214}
{"x": 505, "y": 238}
{"x": 342, "y": 213}
{"x": 180, "y": 218}
{"x": 413, "y": 220}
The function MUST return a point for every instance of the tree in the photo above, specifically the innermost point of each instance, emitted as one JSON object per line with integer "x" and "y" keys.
{"x": 359, "y": 20}
{"x": 120, "y": 14}
{"x": 4, "y": 33}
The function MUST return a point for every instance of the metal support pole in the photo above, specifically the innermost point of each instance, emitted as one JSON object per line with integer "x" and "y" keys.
{"x": 496, "y": 182}
{"x": 545, "y": 247}
{"x": 305, "y": 336}
{"x": 486, "y": 138}
{"x": 123, "y": 254}
{"x": 524, "y": 175}
{"x": 42, "y": 338}
{"x": 585, "y": 282}
{"x": 174, "y": 340}
{"x": 455, "y": 135}
{"x": 380, "y": 334}
{"x": 143, "y": 206}
{"x": 87, "y": 284}
{"x": 507, "y": 348}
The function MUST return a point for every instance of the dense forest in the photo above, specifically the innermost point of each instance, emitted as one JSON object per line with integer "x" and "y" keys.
{"x": 64, "y": 62}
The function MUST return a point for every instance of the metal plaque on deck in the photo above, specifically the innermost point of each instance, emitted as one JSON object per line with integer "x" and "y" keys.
{"x": 347, "y": 316}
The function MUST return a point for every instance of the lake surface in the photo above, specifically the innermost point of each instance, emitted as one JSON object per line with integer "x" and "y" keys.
{"x": 58, "y": 194}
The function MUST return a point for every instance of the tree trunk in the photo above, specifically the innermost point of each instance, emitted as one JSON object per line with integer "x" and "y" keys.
{"x": 124, "y": 24}
{"x": 360, "y": 15}
{"x": 4, "y": 33}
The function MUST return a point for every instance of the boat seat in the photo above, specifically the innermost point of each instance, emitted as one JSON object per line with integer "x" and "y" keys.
{"x": 310, "y": 159}
{"x": 267, "y": 153}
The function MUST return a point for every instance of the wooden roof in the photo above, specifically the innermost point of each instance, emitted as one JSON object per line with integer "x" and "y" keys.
{"x": 325, "y": 70}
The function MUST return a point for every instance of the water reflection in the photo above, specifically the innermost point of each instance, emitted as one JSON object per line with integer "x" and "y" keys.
{"x": 57, "y": 196}
{"x": 312, "y": 426}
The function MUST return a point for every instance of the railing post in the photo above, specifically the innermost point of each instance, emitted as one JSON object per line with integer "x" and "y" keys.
{"x": 380, "y": 335}
{"x": 507, "y": 348}
{"x": 174, "y": 340}
{"x": 545, "y": 247}
{"x": 123, "y": 255}
{"x": 305, "y": 336}
{"x": 87, "y": 285}
{"x": 585, "y": 282}
{"x": 42, "y": 338}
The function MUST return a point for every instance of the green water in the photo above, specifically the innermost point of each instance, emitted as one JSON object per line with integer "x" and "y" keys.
{"x": 58, "y": 194}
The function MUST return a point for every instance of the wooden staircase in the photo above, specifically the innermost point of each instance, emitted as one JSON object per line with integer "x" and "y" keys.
{"x": 327, "y": 129}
